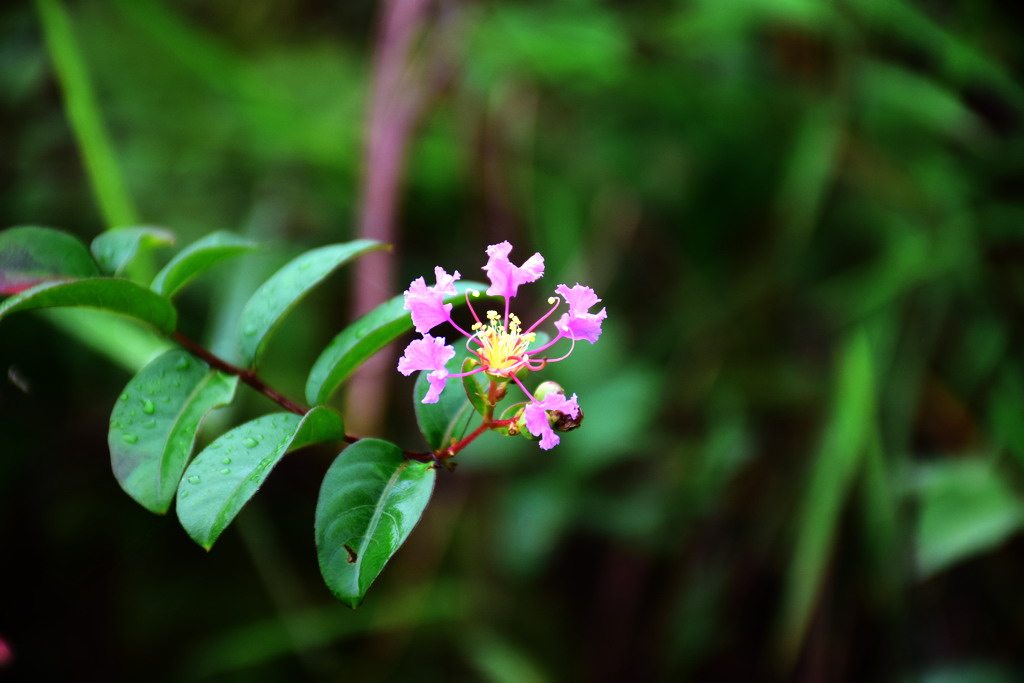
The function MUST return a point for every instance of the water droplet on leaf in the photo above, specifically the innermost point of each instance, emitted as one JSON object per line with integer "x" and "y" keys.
{"x": 226, "y": 470}
{"x": 193, "y": 479}
{"x": 129, "y": 438}
{"x": 182, "y": 364}
{"x": 226, "y": 461}
{"x": 148, "y": 407}
{"x": 123, "y": 397}
{"x": 184, "y": 494}
{"x": 249, "y": 442}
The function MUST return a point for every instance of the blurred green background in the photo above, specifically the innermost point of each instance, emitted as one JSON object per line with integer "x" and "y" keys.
{"x": 803, "y": 453}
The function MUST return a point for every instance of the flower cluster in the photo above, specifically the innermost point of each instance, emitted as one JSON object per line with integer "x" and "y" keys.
{"x": 498, "y": 344}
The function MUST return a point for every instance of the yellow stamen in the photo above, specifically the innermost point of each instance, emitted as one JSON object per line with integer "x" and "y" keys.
{"x": 502, "y": 351}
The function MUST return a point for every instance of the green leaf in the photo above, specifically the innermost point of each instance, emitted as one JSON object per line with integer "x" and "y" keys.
{"x": 279, "y": 294}
{"x": 31, "y": 255}
{"x": 370, "y": 500}
{"x": 196, "y": 258}
{"x": 966, "y": 508}
{"x": 115, "y": 249}
{"x": 445, "y": 422}
{"x": 226, "y": 474}
{"x": 108, "y": 294}
{"x": 476, "y": 391}
{"x": 125, "y": 342}
{"x": 154, "y": 423}
{"x": 363, "y": 338}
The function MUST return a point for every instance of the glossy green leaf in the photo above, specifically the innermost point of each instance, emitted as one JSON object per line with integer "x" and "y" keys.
{"x": 445, "y": 422}
{"x": 30, "y": 256}
{"x": 115, "y": 249}
{"x": 285, "y": 288}
{"x": 475, "y": 387}
{"x": 197, "y": 258}
{"x": 370, "y": 500}
{"x": 228, "y": 472}
{"x": 966, "y": 508}
{"x": 154, "y": 423}
{"x": 363, "y": 338}
{"x": 108, "y": 294}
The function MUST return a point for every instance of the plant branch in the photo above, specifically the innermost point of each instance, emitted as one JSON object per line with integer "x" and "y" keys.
{"x": 495, "y": 393}
{"x": 247, "y": 376}
{"x": 253, "y": 380}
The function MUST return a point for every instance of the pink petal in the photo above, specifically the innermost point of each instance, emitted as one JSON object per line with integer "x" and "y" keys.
{"x": 578, "y": 323}
{"x": 427, "y": 303}
{"x": 428, "y": 353}
{"x": 437, "y": 380}
{"x": 586, "y": 326}
{"x": 445, "y": 282}
{"x": 537, "y": 417}
{"x": 579, "y": 297}
{"x": 505, "y": 276}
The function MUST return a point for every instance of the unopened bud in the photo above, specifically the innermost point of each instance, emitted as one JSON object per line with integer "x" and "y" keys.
{"x": 518, "y": 426}
{"x": 549, "y": 387}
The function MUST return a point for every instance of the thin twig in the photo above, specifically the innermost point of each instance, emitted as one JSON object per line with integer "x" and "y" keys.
{"x": 253, "y": 380}
{"x": 247, "y": 376}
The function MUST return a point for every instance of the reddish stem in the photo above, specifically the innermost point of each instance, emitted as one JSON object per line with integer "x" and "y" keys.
{"x": 253, "y": 380}
{"x": 494, "y": 394}
{"x": 247, "y": 376}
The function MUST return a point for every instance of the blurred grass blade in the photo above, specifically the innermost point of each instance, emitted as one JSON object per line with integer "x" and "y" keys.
{"x": 832, "y": 473}
{"x": 881, "y": 532}
{"x": 285, "y": 288}
{"x": 809, "y": 174}
{"x": 500, "y": 661}
{"x": 125, "y": 342}
{"x": 83, "y": 112}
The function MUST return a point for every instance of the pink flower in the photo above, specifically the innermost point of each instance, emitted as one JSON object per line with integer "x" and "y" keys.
{"x": 498, "y": 343}
{"x": 506, "y": 277}
{"x": 537, "y": 417}
{"x": 427, "y": 303}
{"x": 428, "y": 353}
{"x": 578, "y": 323}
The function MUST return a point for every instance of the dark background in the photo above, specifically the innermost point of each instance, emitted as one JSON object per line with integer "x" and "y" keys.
{"x": 803, "y": 453}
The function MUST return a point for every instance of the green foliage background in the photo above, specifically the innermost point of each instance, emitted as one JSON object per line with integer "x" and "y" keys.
{"x": 803, "y": 456}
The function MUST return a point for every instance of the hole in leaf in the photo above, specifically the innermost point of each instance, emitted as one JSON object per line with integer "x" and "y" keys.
{"x": 352, "y": 556}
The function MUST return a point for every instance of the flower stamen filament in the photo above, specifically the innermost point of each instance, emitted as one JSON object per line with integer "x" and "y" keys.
{"x": 551, "y": 300}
